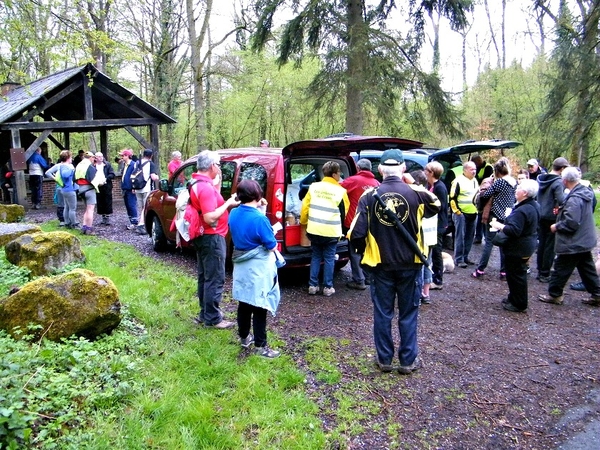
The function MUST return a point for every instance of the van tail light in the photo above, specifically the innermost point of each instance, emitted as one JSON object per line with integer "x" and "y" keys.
{"x": 277, "y": 209}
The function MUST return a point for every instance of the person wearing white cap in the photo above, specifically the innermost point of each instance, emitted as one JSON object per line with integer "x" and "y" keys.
{"x": 265, "y": 143}
{"x": 534, "y": 169}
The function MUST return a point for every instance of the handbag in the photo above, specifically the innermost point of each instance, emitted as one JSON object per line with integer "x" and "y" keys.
{"x": 500, "y": 239}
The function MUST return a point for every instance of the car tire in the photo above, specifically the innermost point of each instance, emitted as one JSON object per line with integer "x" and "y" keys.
{"x": 159, "y": 240}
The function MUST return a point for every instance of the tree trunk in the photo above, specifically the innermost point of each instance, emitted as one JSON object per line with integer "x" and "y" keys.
{"x": 357, "y": 57}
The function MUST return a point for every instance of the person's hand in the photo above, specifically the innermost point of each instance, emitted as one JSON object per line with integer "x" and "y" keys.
{"x": 553, "y": 228}
{"x": 495, "y": 225}
{"x": 263, "y": 202}
{"x": 408, "y": 178}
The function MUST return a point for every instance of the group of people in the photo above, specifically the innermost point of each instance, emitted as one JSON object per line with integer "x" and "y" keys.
{"x": 548, "y": 212}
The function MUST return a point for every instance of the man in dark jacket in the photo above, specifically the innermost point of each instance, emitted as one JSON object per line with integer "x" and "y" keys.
{"x": 550, "y": 196}
{"x": 575, "y": 240}
{"x": 392, "y": 262}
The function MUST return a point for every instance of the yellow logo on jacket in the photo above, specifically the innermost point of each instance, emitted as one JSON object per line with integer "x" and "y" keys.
{"x": 395, "y": 202}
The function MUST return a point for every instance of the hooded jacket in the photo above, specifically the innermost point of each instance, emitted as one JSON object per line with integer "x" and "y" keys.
{"x": 575, "y": 229}
{"x": 551, "y": 195}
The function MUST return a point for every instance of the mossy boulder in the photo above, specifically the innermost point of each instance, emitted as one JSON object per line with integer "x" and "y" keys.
{"x": 11, "y": 231}
{"x": 75, "y": 303}
{"x": 11, "y": 213}
{"x": 44, "y": 253}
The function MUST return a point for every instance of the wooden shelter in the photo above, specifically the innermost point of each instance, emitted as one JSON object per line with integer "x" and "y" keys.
{"x": 76, "y": 100}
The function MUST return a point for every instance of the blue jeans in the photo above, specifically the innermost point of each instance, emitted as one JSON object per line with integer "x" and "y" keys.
{"x": 131, "y": 206}
{"x": 358, "y": 275}
{"x": 487, "y": 250}
{"x": 211, "y": 250}
{"x": 464, "y": 232}
{"x": 322, "y": 250}
{"x": 386, "y": 285}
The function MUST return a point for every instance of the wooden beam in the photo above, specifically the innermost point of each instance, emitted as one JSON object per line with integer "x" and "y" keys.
{"x": 156, "y": 155}
{"x": 51, "y": 101}
{"x": 104, "y": 143}
{"x": 35, "y": 144}
{"x": 87, "y": 97}
{"x": 120, "y": 99}
{"x": 138, "y": 137}
{"x": 57, "y": 142}
{"x": 81, "y": 125}
{"x": 19, "y": 185}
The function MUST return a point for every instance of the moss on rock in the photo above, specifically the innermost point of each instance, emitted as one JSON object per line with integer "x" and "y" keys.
{"x": 11, "y": 231}
{"x": 76, "y": 303}
{"x": 11, "y": 213}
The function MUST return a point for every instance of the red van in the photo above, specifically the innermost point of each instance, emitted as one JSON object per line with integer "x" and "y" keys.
{"x": 284, "y": 175}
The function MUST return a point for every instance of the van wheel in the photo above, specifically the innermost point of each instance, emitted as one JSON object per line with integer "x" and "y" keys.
{"x": 159, "y": 240}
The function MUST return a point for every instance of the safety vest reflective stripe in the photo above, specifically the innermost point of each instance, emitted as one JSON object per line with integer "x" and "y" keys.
{"x": 324, "y": 218}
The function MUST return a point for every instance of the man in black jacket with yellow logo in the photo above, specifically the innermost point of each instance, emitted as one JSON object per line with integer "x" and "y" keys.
{"x": 391, "y": 259}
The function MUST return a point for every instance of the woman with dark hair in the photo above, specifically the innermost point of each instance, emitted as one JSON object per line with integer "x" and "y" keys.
{"x": 501, "y": 194}
{"x": 255, "y": 282}
{"x": 104, "y": 205}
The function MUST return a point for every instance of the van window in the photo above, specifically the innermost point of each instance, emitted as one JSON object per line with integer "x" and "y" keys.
{"x": 227, "y": 174}
{"x": 256, "y": 172}
{"x": 302, "y": 176}
{"x": 181, "y": 178}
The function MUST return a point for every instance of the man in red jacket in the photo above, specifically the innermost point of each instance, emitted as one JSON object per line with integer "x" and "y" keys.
{"x": 355, "y": 186}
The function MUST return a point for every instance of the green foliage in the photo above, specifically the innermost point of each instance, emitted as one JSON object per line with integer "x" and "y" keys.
{"x": 11, "y": 275}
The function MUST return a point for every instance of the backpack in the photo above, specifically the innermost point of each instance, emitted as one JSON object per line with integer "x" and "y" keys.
{"x": 137, "y": 176}
{"x": 187, "y": 218}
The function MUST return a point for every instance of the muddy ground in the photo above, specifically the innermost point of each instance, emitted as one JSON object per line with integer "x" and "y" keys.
{"x": 491, "y": 379}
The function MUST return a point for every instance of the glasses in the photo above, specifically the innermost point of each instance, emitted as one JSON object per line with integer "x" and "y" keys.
{"x": 428, "y": 170}
{"x": 217, "y": 164}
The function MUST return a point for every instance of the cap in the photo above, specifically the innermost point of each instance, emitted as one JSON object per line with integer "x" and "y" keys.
{"x": 392, "y": 158}
{"x": 560, "y": 163}
{"x": 532, "y": 162}
{"x": 99, "y": 154}
{"x": 265, "y": 142}
{"x": 89, "y": 154}
{"x": 126, "y": 152}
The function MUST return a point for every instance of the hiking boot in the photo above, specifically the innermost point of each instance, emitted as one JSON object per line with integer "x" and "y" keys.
{"x": 247, "y": 341}
{"x": 267, "y": 352}
{"x": 577, "y": 286}
{"x": 356, "y": 285}
{"x": 223, "y": 324}
{"x": 435, "y": 287}
{"x": 313, "y": 290}
{"x": 386, "y": 368}
{"x": 477, "y": 274}
{"x": 510, "y": 307}
{"x": 543, "y": 279}
{"x": 594, "y": 300}
{"x": 549, "y": 299}
{"x": 141, "y": 229}
{"x": 328, "y": 291}
{"x": 416, "y": 365}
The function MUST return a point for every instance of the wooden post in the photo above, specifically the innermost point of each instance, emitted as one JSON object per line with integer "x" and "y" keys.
{"x": 19, "y": 175}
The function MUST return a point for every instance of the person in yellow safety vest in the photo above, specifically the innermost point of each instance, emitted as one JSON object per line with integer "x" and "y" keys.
{"x": 484, "y": 170}
{"x": 324, "y": 209}
{"x": 464, "y": 213}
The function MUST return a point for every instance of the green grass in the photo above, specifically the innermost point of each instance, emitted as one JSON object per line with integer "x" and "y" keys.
{"x": 178, "y": 386}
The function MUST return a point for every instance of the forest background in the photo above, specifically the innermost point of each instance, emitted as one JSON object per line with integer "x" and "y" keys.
{"x": 439, "y": 71}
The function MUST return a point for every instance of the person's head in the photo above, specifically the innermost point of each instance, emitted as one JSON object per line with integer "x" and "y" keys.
{"x": 434, "y": 169}
{"x": 248, "y": 191}
{"x": 469, "y": 170}
{"x": 208, "y": 162}
{"x": 523, "y": 174}
{"x": 331, "y": 168}
{"x": 64, "y": 156}
{"x": 364, "y": 164}
{"x": 80, "y": 153}
{"x": 527, "y": 189}
{"x": 176, "y": 155}
{"x": 420, "y": 177}
{"x": 90, "y": 155}
{"x": 147, "y": 153}
{"x": 502, "y": 168}
{"x": 39, "y": 149}
{"x": 99, "y": 157}
{"x": 571, "y": 176}
{"x": 264, "y": 143}
{"x": 478, "y": 160}
{"x": 559, "y": 164}
{"x": 126, "y": 154}
{"x": 533, "y": 165}
{"x": 391, "y": 163}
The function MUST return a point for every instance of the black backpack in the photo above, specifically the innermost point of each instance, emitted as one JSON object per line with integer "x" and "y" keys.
{"x": 137, "y": 176}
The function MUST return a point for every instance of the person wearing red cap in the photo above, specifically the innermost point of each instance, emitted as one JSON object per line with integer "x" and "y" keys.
{"x": 129, "y": 197}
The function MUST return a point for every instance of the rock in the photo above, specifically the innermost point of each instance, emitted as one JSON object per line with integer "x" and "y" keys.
{"x": 44, "y": 253}
{"x": 75, "y": 303}
{"x": 11, "y": 231}
{"x": 11, "y": 213}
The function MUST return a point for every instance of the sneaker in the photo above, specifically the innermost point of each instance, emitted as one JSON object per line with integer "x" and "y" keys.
{"x": 594, "y": 300}
{"x": 141, "y": 229}
{"x": 462, "y": 265}
{"x": 577, "y": 286}
{"x": 549, "y": 299}
{"x": 435, "y": 287}
{"x": 416, "y": 365}
{"x": 313, "y": 290}
{"x": 386, "y": 368}
{"x": 502, "y": 275}
{"x": 328, "y": 291}
{"x": 477, "y": 241}
{"x": 267, "y": 352}
{"x": 510, "y": 307}
{"x": 469, "y": 262}
{"x": 477, "y": 274}
{"x": 528, "y": 270}
{"x": 223, "y": 324}
{"x": 132, "y": 226}
{"x": 357, "y": 286}
{"x": 425, "y": 299}
{"x": 61, "y": 224}
{"x": 543, "y": 279}
{"x": 247, "y": 341}
{"x": 197, "y": 320}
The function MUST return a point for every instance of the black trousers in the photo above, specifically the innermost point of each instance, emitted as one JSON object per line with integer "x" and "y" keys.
{"x": 563, "y": 268}
{"x": 437, "y": 261}
{"x": 516, "y": 278}
{"x": 249, "y": 314}
{"x": 545, "y": 251}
